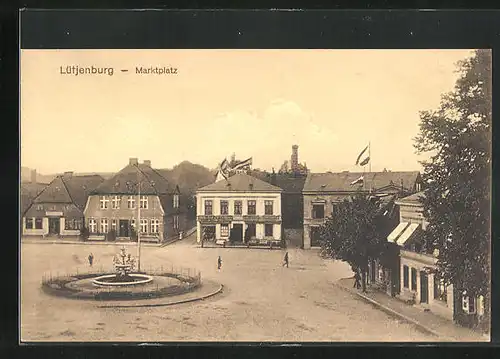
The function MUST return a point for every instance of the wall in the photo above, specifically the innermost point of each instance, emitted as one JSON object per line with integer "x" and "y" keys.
{"x": 295, "y": 236}
{"x": 420, "y": 262}
{"x": 154, "y": 210}
{"x": 412, "y": 214}
{"x": 260, "y": 199}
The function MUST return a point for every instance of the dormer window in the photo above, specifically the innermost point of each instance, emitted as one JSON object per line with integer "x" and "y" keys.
{"x": 418, "y": 187}
{"x": 144, "y": 202}
{"x": 176, "y": 201}
{"x": 103, "y": 201}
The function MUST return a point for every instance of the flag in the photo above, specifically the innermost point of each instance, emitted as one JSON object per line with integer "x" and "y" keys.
{"x": 242, "y": 164}
{"x": 359, "y": 180}
{"x": 223, "y": 170}
{"x": 361, "y": 154}
{"x": 365, "y": 161}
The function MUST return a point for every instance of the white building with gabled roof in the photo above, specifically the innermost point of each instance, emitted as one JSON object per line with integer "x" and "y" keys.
{"x": 241, "y": 208}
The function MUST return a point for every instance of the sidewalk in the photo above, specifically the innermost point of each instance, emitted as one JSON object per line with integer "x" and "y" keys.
{"x": 440, "y": 327}
{"x": 102, "y": 243}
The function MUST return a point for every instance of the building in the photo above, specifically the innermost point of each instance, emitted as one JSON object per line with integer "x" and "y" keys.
{"x": 419, "y": 280}
{"x": 292, "y": 202}
{"x": 323, "y": 190}
{"x": 28, "y": 192}
{"x": 137, "y": 190}
{"x": 58, "y": 210}
{"x": 242, "y": 208}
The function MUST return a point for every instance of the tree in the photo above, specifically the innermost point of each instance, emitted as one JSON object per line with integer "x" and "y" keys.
{"x": 458, "y": 178}
{"x": 352, "y": 235}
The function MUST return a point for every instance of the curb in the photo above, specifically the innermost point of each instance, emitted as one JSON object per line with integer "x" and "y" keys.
{"x": 395, "y": 313}
{"x": 90, "y": 243}
{"x": 221, "y": 287}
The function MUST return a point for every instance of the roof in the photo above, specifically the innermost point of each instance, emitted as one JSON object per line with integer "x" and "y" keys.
{"x": 124, "y": 182}
{"x": 414, "y": 199}
{"x": 74, "y": 189}
{"x": 341, "y": 181}
{"x": 289, "y": 183}
{"x": 240, "y": 182}
{"x": 28, "y": 192}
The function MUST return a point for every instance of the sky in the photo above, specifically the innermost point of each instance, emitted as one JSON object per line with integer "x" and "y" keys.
{"x": 255, "y": 103}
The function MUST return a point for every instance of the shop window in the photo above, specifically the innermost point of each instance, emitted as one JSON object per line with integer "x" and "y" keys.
{"x": 224, "y": 230}
{"x": 38, "y": 223}
{"x": 268, "y": 230}
{"x": 29, "y": 223}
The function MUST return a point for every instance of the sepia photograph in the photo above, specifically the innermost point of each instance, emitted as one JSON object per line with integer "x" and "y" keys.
{"x": 203, "y": 195}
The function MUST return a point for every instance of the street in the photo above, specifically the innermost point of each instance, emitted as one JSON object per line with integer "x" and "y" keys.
{"x": 262, "y": 301}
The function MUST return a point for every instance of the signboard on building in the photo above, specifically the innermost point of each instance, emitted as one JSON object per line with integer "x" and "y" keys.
{"x": 53, "y": 214}
{"x": 215, "y": 219}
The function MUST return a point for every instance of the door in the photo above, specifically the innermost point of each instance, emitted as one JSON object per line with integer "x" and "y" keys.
{"x": 124, "y": 226}
{"x": 315, "y": 237}
{"x": 424, "y": 288}
{"x": 54, "y": 225}
{"x": 237, "y": 234}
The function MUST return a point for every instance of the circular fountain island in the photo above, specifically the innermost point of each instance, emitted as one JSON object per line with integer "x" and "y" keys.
{"x": 124, "y": 265}
{"x": 123, "y": 283}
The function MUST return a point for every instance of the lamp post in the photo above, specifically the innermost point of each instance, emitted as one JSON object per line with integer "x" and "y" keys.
{"x": 139, "y": 224}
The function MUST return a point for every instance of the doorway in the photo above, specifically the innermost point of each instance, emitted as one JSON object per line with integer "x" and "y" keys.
{"x": 424, "y": 288}
{"x": 237, "y": 233}
{"x": 54, "y": 225}
{"x": 315, "y": 237}
{"x": 124, "y": 228}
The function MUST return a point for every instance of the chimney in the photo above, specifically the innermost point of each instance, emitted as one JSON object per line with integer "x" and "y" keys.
{"x": 250, "y": 186}
{"x": 133, "y": 161}
{"x": 147, "y": 163}
{"x": 33, "y": 176}
{"x": 68, "y": 174}
{"x": 294, "y": 160}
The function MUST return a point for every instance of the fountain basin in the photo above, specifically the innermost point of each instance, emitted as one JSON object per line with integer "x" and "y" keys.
{"x": 112, "y": 280}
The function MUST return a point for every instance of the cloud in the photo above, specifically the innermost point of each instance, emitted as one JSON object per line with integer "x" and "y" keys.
{"x": 268, "y": 136}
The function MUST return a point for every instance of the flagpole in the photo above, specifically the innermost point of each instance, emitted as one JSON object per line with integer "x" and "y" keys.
{"x": 370, "y": 162}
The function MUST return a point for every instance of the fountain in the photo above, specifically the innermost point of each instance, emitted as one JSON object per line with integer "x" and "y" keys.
{"x": 124, "y": 265}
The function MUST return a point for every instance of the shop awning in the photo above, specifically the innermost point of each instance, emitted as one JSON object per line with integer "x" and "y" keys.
{"x": 396, "y": 233}
{"x": 409, "y": 231}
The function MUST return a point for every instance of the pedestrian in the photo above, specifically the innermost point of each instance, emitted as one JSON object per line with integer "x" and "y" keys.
{"x": 219, "y": 263}
{"x": 285, "y": 260}
{"x": 91, "y": 259}
{"x": 357, "y": 278}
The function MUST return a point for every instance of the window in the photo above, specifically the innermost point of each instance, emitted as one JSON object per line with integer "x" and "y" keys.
{"x": 440, "y": 290}
{"x": 131, "y": 202}
{"x": 113, "y": 224}
{"x": 468, "y": 304}
{"x": 224, "y": 230}
{"x": 406, "y": 275}
{"x": 418, "y": 187}
{"x": 318, "y": 211}
{"x": 155, "y": 225}
{"x": 237, "y": 207}
{"x": 104, "y": 202}
{"x": 251, "y": 207}
{"x": 176, "y": 222}
{"x": 268, "y": 230}
{"x": 413, "y": 279}
{"x": 39, "y": 207}
{"x": 208, "y": 207}
{"x": 38, "y": 223}
{"x": 268, "y": 207}
{"x": 92, "y": 225}
{"x": 104, "y": 225}
{"x": 29, "y": 223}
{"x": 251, "y": 230}
{"x": 144, "y": 202}
{"x": 224, "y": 207}
{"x": 72, "y": 224}
{"x": 115, "y": 203}
{"x": 176, "y": 201}
{"x": 144, "y": 226}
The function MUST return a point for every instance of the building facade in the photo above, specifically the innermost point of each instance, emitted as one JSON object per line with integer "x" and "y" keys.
{"x": 138, "y": 199}
{"x": 322, "y": 191}
{"x": 419, "y": 281}
{"x": 58, "y": 210}
{"x": 241, "y": 209}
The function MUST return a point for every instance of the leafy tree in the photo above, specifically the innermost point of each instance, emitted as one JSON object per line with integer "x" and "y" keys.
{"x": 352, "y": 235}
{"x": 458, "y": 177}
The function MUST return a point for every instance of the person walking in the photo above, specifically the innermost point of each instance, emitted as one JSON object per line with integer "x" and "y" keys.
{"x": 91, "y": 259}
{"x": 285, "y": 260}
{"x": 357, "y": 280}
{"x": 219, "y": 263}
